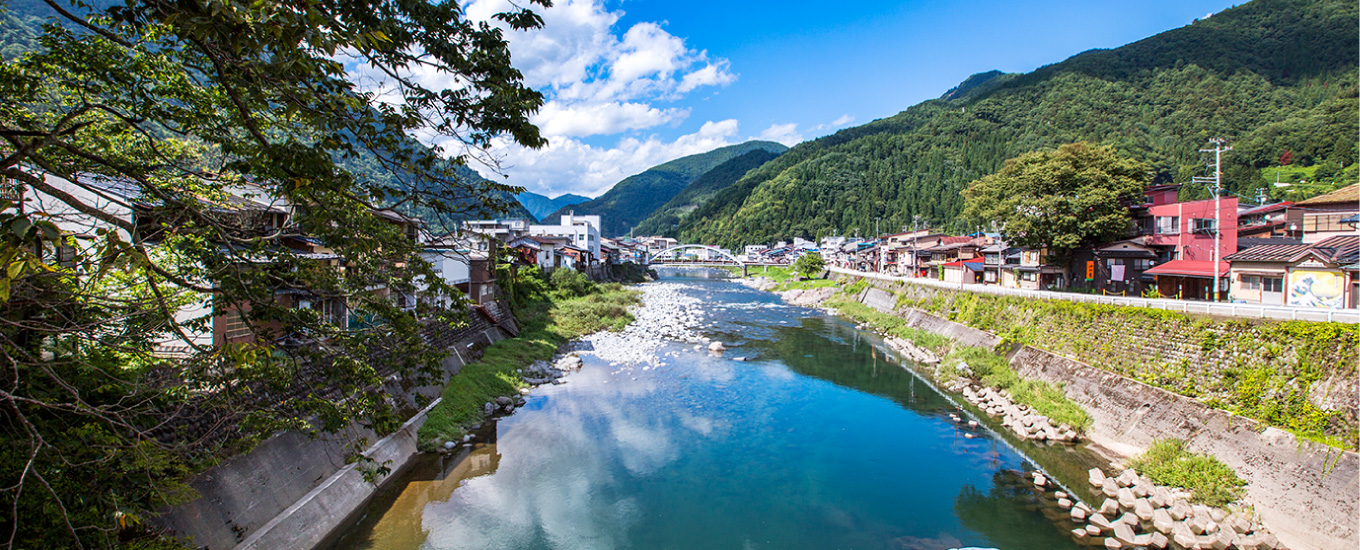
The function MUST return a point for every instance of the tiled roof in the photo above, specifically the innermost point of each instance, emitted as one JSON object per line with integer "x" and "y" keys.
{"x": 1349, "y": 194}
{"x": 1268, "y": 253}
{"x": 1344, "y": 249}
{"x": 1244, "y": 243}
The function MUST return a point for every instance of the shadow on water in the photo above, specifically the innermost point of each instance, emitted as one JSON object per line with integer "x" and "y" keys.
{"x": 394, "y": 518}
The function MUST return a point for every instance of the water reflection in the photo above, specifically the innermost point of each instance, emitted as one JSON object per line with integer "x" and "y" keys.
{"x": 823, "y": 441}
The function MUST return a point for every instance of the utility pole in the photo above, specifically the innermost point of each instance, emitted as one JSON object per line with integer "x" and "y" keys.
{"x": 915, "y": 244}
{"x": 878, "y": 235}
{"x": 1218, "y": 150}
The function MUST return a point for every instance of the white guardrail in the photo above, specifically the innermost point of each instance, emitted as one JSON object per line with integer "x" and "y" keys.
{"x": 1250, "y": 311}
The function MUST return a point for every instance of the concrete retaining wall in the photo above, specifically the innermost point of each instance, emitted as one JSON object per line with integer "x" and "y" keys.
{"x": 291, "y": 490}
{"x": 1307, "y": 493}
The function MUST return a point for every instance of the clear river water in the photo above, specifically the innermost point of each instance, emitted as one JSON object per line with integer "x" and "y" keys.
{"x": 820, "y": 439}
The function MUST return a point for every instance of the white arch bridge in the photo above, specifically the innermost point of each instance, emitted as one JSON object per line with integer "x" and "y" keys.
{"x": 667, "y": 257}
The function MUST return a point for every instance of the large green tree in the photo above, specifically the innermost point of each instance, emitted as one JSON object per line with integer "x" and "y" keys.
{"x": 185, "y": 106}
{"x": 1061, "y": 199}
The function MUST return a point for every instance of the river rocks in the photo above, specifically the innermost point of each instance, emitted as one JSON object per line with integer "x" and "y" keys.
{"x": 808, "y": 298}
{"x": 503, "y": 401}
{"x": 910, "y": 351}
{"x": 1022, "y": 420}
{"x": 717, "y": 346}
{"x": 1162, "y": 518}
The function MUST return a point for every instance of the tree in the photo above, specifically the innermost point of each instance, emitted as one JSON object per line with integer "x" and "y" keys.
{"x": 1062, "y": 199}
{"x": 809, "y": 264}
{"x": 210, "y": 118}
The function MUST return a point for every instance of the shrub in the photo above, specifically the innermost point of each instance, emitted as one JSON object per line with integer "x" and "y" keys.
{"x": 571, "y": 283}
{"x": 1211, "y": 482}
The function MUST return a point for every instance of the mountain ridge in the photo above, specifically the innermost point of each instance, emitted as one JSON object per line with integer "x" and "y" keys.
{"x": 634, "y": 198}
{"x": 1246, "y": 73}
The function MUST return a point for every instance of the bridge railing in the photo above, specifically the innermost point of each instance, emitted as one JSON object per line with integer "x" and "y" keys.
{"x": 1248, "y": 311}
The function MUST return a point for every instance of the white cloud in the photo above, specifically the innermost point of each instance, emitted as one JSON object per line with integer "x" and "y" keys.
{"x": 710, "y": 75}
{"x": 588, "y": 119}
{"x": 585, "y": 68}
{"x": 599, "y": 80}
{"x": 840, "y": 121}
{"x": 568, "y": 165}
{"x": 783, "y": 133}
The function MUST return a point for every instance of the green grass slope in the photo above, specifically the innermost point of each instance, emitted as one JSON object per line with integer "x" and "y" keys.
{"x": 1270, "y": 75}
{"x": 637, "y": 196}
{"x": 666, "y": 219}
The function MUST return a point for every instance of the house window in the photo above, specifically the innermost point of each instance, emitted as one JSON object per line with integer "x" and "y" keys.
{"x": 1272, "y": 284}
{"x": 1251, "y": 282}
{"x": 1203, "y": 225}
{"x": 1168, "y": 225}
{"x": 1142, "y": 265}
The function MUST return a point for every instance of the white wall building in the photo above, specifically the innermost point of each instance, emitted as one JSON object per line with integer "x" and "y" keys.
{"x": 584, "y": 232}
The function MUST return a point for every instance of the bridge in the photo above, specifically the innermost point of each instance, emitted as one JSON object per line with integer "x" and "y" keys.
{"x": 698, "y": 263}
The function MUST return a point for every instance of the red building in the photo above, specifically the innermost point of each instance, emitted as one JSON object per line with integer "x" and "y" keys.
{"x": 1184, "y": 233}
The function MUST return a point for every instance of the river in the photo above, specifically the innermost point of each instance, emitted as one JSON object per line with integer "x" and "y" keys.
{"x": 819, "y": 439}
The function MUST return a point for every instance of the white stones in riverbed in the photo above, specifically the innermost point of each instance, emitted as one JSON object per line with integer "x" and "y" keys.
{"x": 665, "y": 314}
{"x": 911, "y": 351}
{"x": 1159, "y": 517}
{"x": 1022, "y": 420}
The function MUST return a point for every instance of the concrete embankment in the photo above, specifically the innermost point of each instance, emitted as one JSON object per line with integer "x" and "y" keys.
{"x": 291, "y": 491}
{"x": 1307, "y": 493}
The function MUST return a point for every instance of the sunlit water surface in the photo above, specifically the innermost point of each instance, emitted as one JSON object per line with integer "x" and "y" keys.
{"x": 819, "y": 440}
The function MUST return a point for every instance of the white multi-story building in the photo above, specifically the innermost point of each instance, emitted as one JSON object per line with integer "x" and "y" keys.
{"x": 583, "y": 231}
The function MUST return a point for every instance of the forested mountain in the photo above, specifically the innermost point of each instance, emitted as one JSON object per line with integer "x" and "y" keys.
{"x": 665, "y": 220}
{"x": 1271, "y": 76}
{"x": 541, "y": 206}
{"x": 633, "y": 199}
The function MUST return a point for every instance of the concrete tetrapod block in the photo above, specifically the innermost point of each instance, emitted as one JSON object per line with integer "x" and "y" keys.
{"x": 1129, "y": 519}
{"x": 1127, "y": 477}
{"x": 1079, "y": 534}
{"x": 1142, "y": 540}
{"x": 1110, "y": 488}
{"x": 1126, "y": 498}
{"x": 1197, "y": 524}
{"x": 1179, "y": 511}
{"x": 1161, "y": 521}
{"x": 1095, "y": 477}
{"x": 1184, "y": 540}
{"x": 1092, "y": 531}
{"x": 1143, "y": 509}
{"x": 1109, "y": 507}
{"x": 1112, "y": 544}
{"x": 1100, "y": 522}
{"x": 1064, "y": 503}
{"x": 1078, "y": 514}
{"x": 1226, "y": 538}
{"x": 1123, "y": 532}
{"x": 1158, "y": 540}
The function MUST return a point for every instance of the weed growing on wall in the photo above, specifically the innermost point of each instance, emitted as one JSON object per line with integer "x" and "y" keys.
{"x": 1211, "y": 482}
{"x": 1266, "y": 370}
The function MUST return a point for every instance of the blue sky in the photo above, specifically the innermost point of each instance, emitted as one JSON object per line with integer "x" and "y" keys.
{"x": 634, "y": 83}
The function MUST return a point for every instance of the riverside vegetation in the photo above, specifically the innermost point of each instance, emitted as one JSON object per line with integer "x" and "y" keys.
{"x": 1287, "y": 374}
{"x": 551, "y": 311}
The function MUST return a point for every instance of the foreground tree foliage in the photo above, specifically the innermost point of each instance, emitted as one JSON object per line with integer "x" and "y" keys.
{"x": 184, "y": 107}
{"x": 1060, "y": 199}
